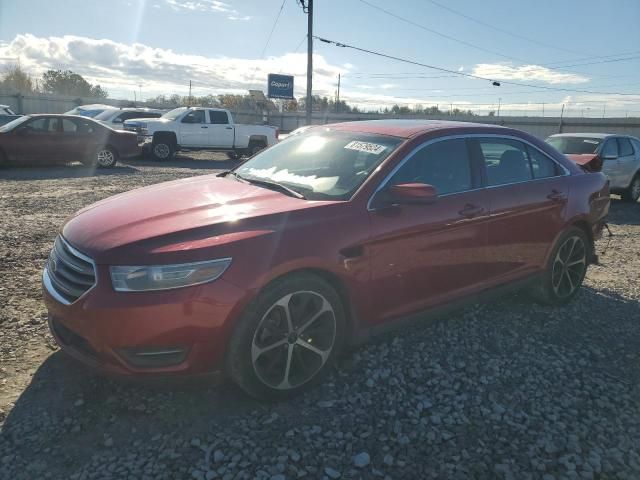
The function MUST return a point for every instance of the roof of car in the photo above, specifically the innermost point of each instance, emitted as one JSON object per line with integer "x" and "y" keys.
{"x": 586, "y": 135}
{"x": 405, "y": 128}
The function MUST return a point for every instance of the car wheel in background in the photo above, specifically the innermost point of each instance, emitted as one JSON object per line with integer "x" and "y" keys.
{"x": 106, "y": 157}
{"x": 254, "y": 147}
{"x": 233, "y": 155}
{"x": 566, "y": 268}
{"x": 632, "y": 194}
{"x": 162, "y": 150}
{"x": 287, "y": 339}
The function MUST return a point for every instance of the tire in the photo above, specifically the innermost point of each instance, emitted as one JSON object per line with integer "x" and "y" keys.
{"x": 632, "y": 194}
{"x": 162, "y": 149}
{"x": 254, "y": 148}
{"x": 105, "y": 157}
{"x": 271, "y": 361}
{"x": 559, "y": 283}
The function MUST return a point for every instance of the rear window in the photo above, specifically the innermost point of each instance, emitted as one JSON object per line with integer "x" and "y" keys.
{"x": 575, "y": 145}
{"x": 624, "y": 147}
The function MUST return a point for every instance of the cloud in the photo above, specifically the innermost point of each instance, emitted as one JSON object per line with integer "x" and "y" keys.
{"x": 214, "y": 6}
{"x": 120, "y": 68}
{"x": 536, "y": 73}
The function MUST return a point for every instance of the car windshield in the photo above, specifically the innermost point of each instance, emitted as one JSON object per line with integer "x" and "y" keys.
{"x": 105, "y": 115}
{"x": 575, "y": 145}
{"x": 90, "y": 113}
{"x": 322, "y": 165}
{"x": 175, "y": 113}
{"x": 7, "y": 127}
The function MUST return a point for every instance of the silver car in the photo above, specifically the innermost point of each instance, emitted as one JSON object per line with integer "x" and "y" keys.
{"x": 620, "y": 156}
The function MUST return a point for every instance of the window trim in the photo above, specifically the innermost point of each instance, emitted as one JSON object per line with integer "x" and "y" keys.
{"x": 619, "y": 140}
{"x": 565, "y": 171}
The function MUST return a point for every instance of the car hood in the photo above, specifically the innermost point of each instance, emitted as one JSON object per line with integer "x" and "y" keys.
{"x": 177, "y": 217}
{"x": 138, "y": 121}
{"x": 588, "y": 161}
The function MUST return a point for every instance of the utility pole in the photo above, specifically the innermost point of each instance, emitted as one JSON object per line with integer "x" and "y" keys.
{"x": 189, "y": 101}
{"x": 309, "y": 12}
{"x": 543, "y": 109}
{"x": 604, "y": 109}
{"x": 561, "y": 115}
{"x": 499, "y": 103}
{"x": 140, "y": 86}
{"x": 338, "y": 100}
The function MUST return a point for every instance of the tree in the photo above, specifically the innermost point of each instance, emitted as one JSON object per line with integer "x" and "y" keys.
{"x": 15, "y": 78}
{"x": 66, "y": 82}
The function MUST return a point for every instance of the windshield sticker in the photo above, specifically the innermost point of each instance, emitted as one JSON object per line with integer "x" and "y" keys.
{"x": 366, "y": 147}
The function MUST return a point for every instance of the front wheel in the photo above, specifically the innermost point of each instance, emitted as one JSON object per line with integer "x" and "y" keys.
{"x": 632, "y": 194}
{"x": 566, "y": 268}
{"x": 288, "y": 338}
{"x": 106, "y": 157}
{"x": 162, "y": 150}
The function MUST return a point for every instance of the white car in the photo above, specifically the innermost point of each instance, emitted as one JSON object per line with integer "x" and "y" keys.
{"x": 617, "y": 155}
{"x": 195, "y": 128}
{"x": 115, "y": 117}
{"x": 90, "y": 110}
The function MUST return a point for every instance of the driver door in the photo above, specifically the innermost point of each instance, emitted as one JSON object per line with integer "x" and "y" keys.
{"x": 425, "y": 255}
{"x": 35, "y": 141}
{"x": 194, "y": 131}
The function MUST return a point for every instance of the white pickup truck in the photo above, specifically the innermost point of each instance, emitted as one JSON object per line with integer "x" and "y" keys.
{"x": 195, "y": 128}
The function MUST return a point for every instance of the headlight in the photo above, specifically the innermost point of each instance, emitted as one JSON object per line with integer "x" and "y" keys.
{"x": 163, "y": 277}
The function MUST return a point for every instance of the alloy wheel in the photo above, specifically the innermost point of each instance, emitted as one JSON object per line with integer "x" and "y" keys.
{"x": 569, "y": 267}
{"x": 161, "y": 150}
{"x": 105, "y": 158}
{"x": 294, "y": 340}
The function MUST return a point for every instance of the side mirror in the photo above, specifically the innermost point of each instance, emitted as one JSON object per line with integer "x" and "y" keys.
{"x": 406, "y": 194}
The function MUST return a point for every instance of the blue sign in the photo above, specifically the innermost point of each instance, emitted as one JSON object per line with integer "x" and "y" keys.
{"x": 280, "y": 86}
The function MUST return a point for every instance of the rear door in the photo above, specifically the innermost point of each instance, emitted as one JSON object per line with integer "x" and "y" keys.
{"x": 221, "y": 133}
{"x": 610, "y": 163}
{"x": 425, "y": 255}
{"x": 627, "y": 163}
{"x": 35, "y": 141}
{"x": 194, "y": 130}
{"x": 527, "y": 194}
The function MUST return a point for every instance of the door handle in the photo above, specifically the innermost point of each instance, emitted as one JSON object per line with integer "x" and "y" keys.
{"x": 228, "y": 128}
{"x": 470, "y": 210}
{"x": 204, "y": 126}
{"x": 556, "y": 195}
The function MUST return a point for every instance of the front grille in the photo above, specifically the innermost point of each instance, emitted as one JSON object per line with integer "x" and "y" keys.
{"x": 70, "y": 272}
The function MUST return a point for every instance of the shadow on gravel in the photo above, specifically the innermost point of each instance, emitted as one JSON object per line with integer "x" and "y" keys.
{"x": 63, "y": 171}
{"x": 623, "y": 213}
{"x": 88, "y": 404}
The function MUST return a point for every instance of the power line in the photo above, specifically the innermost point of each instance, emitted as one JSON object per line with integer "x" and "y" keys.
{"x": 469, "y": 75}
{"x": 275, "y": 23}
{"x": 498, "y": 29}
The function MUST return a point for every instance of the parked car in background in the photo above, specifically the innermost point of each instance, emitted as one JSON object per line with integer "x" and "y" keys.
{"x": 193, "y": 128}
{"x": 267, "y": 271}
{"x": 618, "y": 156}
{"x": 46, "y": 139}
{"x": 7, "y": 115}
{"x": 89, "y": 110}
{"x": 115, "y": 117}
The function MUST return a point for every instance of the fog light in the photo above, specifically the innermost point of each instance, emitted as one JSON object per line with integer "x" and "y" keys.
{"x": 154, "y": 357}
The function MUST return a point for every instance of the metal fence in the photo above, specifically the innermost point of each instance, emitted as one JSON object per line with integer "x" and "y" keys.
{"x": 288, "y": 121}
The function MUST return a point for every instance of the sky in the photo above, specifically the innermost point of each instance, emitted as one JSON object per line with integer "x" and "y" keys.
{"x": 583, "y": 54}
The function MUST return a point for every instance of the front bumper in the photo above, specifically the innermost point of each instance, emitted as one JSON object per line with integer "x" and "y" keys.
{"x": 172, "y": 332}
{"x": 144, "y": 141}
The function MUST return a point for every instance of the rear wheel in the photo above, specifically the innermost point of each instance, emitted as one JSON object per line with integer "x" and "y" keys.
{"x": 254, "y": 148}
{"x": 566, "y": 268}
{"x": 632, "y": 194}
{"x": 286, "y": 341}
{"x": 106, "y": 157}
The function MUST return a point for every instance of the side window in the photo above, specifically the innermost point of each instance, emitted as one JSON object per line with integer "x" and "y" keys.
{"x": 195, "y": 116}
{"x": 68, "y": 126}
{"x": 54, "y": 124}
{"x": 38, "y": 125}
{"x": 624, "y": 147}
{"x": 541, "y": 165}
{"x": 506, "y": 161}
{"x": 445, "y": 165}
{"x": 610, "y": 149}
{"x": 218, "y": 117}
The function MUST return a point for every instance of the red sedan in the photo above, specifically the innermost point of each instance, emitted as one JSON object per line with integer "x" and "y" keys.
{"x": 267, "y": 271}
{"x": 50, "y": 139}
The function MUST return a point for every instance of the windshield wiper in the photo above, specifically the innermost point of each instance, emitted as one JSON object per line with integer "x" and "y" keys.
{"x": 265, "y": 183}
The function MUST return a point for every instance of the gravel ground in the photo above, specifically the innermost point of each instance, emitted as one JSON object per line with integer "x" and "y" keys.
{"x": 509, "y": 389}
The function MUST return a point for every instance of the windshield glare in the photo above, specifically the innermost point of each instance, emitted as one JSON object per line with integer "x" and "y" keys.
{"x": 175, "y": 113}
{"x": 322, "y": 165}
{"x": 7, "y": 127}
{"x": 575, "y": 145}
